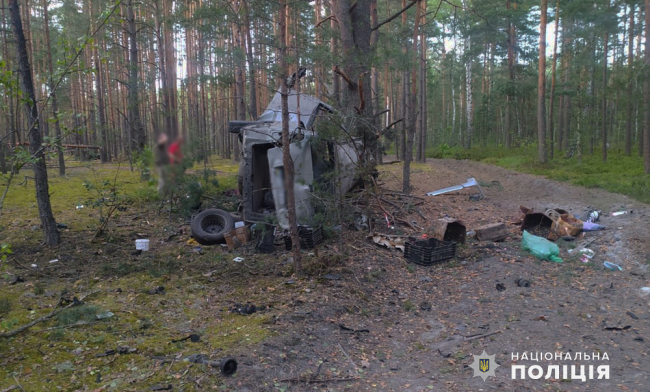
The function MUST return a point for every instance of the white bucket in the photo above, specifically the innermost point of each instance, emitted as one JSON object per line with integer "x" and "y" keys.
{"x": 142, "y": 245}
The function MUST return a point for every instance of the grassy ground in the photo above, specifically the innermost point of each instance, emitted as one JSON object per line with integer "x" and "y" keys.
{"x": 61, "y": 353}
{"x": 620, "y": 174}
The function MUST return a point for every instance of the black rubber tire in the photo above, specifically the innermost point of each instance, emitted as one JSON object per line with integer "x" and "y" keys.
{"x": 209, "y": 226}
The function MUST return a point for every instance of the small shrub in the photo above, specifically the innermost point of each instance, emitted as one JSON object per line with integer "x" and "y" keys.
{"x": 5, "y": 306}
{"x": 77, "y": 314}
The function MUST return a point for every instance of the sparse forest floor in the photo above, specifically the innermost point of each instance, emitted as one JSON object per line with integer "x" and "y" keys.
{"x": 416, "y": 317}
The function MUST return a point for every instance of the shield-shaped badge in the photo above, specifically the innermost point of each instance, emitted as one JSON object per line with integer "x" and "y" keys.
{"x": 484, "y": 365}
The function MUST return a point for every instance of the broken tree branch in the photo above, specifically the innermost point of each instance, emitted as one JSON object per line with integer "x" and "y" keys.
{"x": 41, "y": 319}
{"x": 349, "y": 81}
{"x": 485, "y": 335}
{"x": 391, "y": 125}
{"x": 411, "y": 4}
{"x": 325, "y": 20}
{"x": 382, "y": 112}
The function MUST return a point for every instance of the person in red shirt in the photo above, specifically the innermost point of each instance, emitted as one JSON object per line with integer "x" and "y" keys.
{"x": 175, "y": 152}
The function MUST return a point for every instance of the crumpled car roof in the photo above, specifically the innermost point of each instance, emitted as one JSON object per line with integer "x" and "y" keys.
{"x": 307, "y": 103}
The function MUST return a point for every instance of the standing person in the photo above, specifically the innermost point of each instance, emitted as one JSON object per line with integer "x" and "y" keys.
{"x": 162, "y": 161}
{"x": 175, "y": 152}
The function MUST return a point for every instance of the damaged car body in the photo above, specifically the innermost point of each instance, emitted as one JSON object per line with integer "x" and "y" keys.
{"x": 316, "y": 159}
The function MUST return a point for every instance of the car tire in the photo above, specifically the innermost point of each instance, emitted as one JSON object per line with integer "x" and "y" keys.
{"x": 209, "y": 226}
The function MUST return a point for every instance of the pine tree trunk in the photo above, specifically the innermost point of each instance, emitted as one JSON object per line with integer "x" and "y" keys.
{"x": 50, "y": 232}
{"x": 286, "y": 156}
{"x": 55, "y": 104}
{"x": 605, "y": 93}
{"x": 630, "y": 84}
{"x": 541, "y": 87}
{"x": 551, "y": 120}
{"x": 251, "y": 66}
{"x": 137, "y": 135}
{"x": 412, "y": 112}
{"x": 646, "y": 93}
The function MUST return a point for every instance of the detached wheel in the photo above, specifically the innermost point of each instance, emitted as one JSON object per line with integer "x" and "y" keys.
{"x": 209, "y": 226}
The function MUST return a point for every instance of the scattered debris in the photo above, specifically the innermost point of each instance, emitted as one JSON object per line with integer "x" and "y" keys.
{"x": 590, "y": 216}
{"x": 61, "y": 226}
{"x": 616, "y": 327}
{"x": 469, "y": 183}
{"x": 122, "y": 350}
{"x": 587, "y": 255}
{"x": 426, "y": 306}
{"x": 618, "y": 213}
{"x": 521, "y": 282}
{"x": 390, "y": 241}
{"x": 157, "y": 290}
{"x": 612, "y": 266}
{"x": 142, "y": 245}
{"x": 492, "y": 232}
{"x": 332, "y": 276}
{"x": 449, "y": 229}
{"x": 193, "y": 338}
{"x": 361, "y": 222}
{"x": 136, "y": 252}
{"x": 540, "y": 247}
{"x": 167, "y": 387}
{"x": 564, "y": 224}
{"x": 53, "y": 261}
{"x": 590, "y": 226}
{"x": 501, "y": 287}
{"x": 644, "y": 291}
{"x": 238, "y": 259}
{"x": 541, "y": 318}
{"x": 634, "y": 316}
{"x": 105, "y": 315}
{"x": 244, "y": 309}
{"x": 16, "y": 279}
{"x": 237, "y": 237}
{"x": 343, "y": 327}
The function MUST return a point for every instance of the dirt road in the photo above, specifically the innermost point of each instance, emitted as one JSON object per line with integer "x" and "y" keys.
{"x": 417, "y": 328}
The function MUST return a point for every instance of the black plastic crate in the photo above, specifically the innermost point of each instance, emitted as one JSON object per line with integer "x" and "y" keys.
{"x": 430, "y": 251}
{"x": 309, "y": 237}
{"x": 266, "y": 240}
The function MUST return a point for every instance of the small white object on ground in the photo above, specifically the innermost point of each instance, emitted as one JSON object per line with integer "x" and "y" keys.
{"x": 53, "y": 261}
{"x": 142, "y": 245}
{"x": 239, "y": 224}
{"x": 238, "y": 259}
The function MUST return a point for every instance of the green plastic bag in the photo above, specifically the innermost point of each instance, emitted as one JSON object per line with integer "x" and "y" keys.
{"x": 540, "y": 247}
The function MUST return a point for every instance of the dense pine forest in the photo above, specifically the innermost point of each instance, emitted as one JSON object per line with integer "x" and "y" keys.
{"x": 451, "y": 73}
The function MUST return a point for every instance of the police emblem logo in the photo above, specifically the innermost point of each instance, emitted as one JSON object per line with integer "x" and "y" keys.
{"x": 484, "y": 365}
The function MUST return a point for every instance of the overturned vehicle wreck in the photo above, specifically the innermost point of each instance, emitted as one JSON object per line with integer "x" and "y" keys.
{"x": 317, "y": 159}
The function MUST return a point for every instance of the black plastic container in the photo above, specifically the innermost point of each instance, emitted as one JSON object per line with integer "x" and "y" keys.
{"x": 309, "y": 237}
{"x": 430, "y": 251}
{"x": 266, "y": 239}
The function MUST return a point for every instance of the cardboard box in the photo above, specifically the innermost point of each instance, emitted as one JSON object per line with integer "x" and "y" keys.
{"x": 237, "y": 237}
